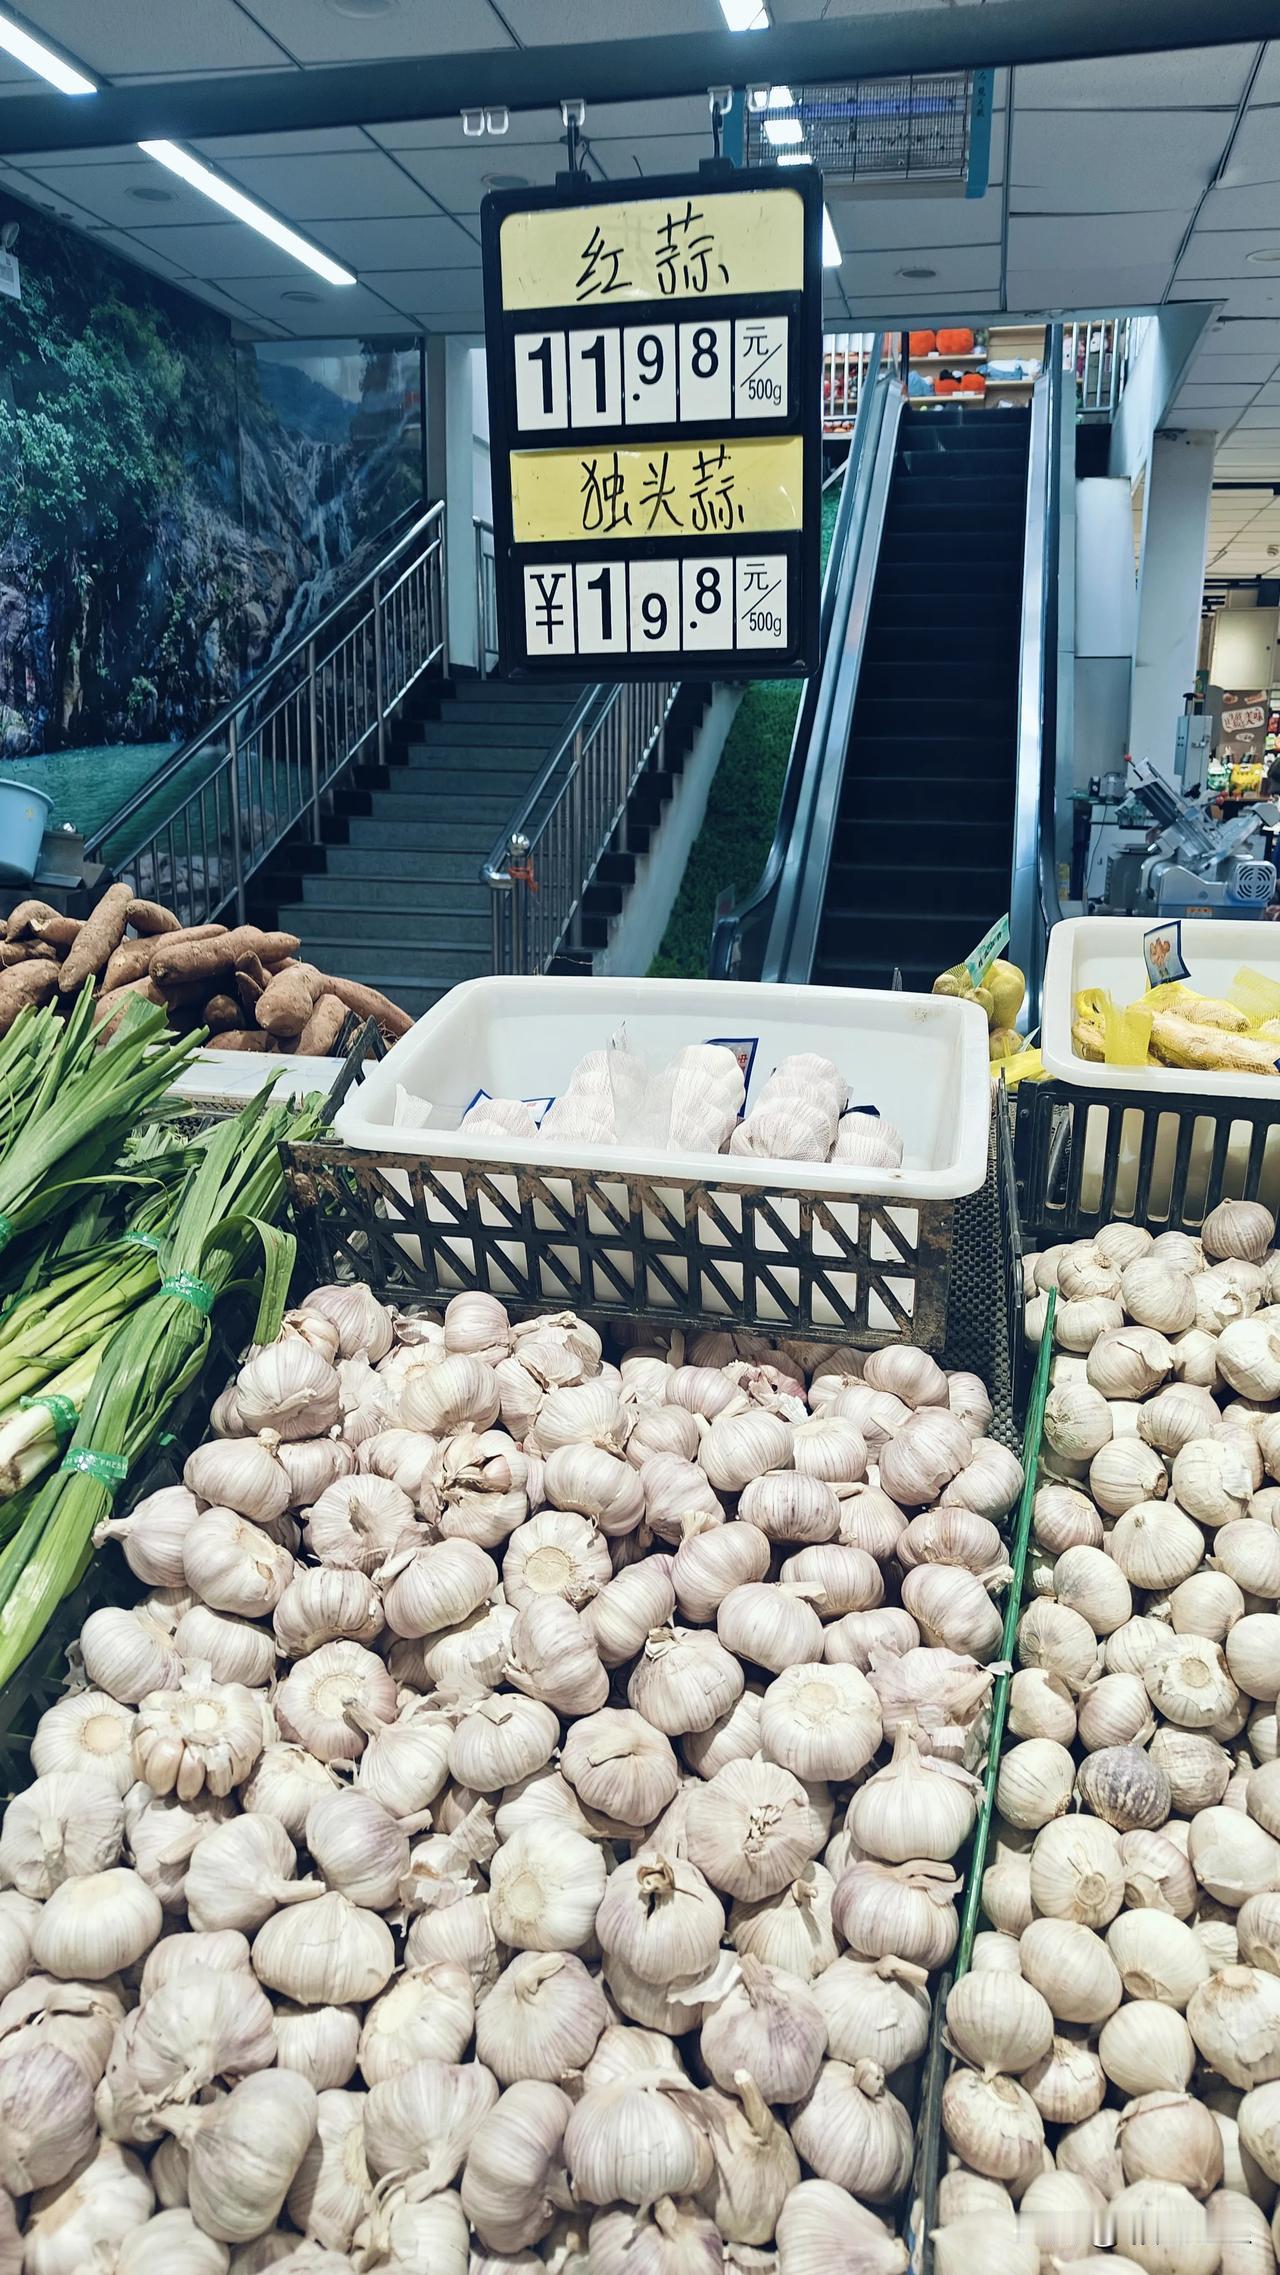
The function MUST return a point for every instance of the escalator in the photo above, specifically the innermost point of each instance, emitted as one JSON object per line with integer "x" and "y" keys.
{"x": 918, "y": 801}
{"x": 923, "y": 841}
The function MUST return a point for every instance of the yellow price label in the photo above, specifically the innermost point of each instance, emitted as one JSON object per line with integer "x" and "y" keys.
{"x": 680, "y": 248}
{"x": 695, "y": 489}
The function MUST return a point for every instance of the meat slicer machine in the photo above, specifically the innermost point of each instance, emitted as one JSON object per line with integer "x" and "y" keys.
{"x": 1191, "y": 865}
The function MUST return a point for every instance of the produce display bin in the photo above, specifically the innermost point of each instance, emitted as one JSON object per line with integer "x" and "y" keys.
{"x": 930, "y": 2152}
{"x": 1156, "y": 1145}
{"x": 812, "y": 1249}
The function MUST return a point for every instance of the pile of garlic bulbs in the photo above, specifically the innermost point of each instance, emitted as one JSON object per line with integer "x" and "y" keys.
{"x": 694, "y": 1104}
{"x": 515, "y": 1827}
{"x": 1119, "y": 2099}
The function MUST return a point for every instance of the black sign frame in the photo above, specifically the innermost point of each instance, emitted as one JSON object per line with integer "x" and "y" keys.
{"x": 802, "y": 548}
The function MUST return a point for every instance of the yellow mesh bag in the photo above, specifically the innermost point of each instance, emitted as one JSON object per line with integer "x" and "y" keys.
{"x": 1254, "y": 994}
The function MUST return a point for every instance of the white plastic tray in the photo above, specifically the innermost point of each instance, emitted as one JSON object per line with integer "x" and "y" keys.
{"x": 1106, "y": 951}
{"x": 920, "y": 1060}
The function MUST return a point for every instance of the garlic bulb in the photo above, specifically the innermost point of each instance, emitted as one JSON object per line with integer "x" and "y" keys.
{"x": 233, "y": 1650}
{"x": 542, "y": 2019}
{"x": 821, "y": 1722}
{"x": 1129, "y": 1362}
{"x": 358, "y": 1847}
{"x": 320, "y": 2042}
{"x": 326, "y": 1604}
{"x": 64, "y": 1825}
{"x": 1115, "y": 1711}
{"x": 1077, "y": 1871}
{"x": 636, "y": 2142}
{"x": 637, "y": 1599}
{"x": 662, "y": 1918}
{"x": 47, "y": 2122}
{"x": 234, "y": 1566}
{"x": 545, "y": 1889}
{"x": 501, "y": 1739}
{"x": 1126, "y": 1472}
{"x": 1068, "y": 2084}
{"x": 853, "y": 2131}
{"x": 509, "y": 2181}
{"x": 288, "y": 1387}
{"x": 755, "y": 2166}
{"x": 898, "y": 1911}
{"x": 96, "y": 1924}
{"x": 792, "y": 1930}
{"x": 243, "y": 2152}
{"x": 1073, "y": 1969}
{"x": 1034, "y": 1783}
{"x": 1125, "y": 1787}
{"x": 152, "y": 1535}
{"x": 325, "y": 1953}
{"x": 917, "y": 1807}
{"x": 1234, "y": 2015}
{"x": 821, "y": 2226}
{"x": 771, "y": 2026}
{"x": 770, "y": 1625}
{"x": 1259, "y": 2120}
{"x": 553, "y": 1658}
{"x": 327, "y": 1699}
{"x": 363, "y": 1327}
{"x": 620, "y": 1764}
{"x": 241, "y": 1474}
{"x": 427, "y": 2013}
{"x": 999, "y": 2023}
{"x": 1040, "y": 1706}
{"x": 831, "y": 1447}
{"x": 1190, "y": 1683}
{"x": 1158, "y": 1957}
{"x": 751, "y": 1828}
{"x": 127, "y": 1655}
{"x": 1238, "y": 1228}
{"x": 993, "y": 2123}
{"x": 953, "y": 1609}
{"x": 248, "y": 1871}
{"x": 684, "y": 1681}
{"x": 1146, "y": 2045}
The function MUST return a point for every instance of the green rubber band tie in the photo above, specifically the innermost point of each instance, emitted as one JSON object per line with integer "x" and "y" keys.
{"x": 106, "y": 1469}
{"x": 63, "y": 1410}
{"x": 186, "y": 1288}
{"x": 142, "y": 1240}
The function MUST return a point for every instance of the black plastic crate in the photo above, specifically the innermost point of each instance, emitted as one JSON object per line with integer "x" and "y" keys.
{"x": 1087, "y": 1157}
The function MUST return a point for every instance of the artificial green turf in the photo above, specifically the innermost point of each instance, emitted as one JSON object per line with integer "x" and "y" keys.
{"x": 733, "y": 844}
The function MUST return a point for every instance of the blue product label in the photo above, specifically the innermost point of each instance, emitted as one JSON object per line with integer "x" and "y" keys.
{"x": 1162, "y": 954}
{"x": 744, "y": 1048}
{"x": 984, "y": 955}
{"x": 537, "y": 1106}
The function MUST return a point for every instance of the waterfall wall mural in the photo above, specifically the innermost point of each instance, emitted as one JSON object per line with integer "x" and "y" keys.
{"x": 175, "y": 505}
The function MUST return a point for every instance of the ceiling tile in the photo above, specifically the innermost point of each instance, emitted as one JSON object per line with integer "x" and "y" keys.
{"x": 430, "y": 243}
{"x": 915, "y": 224}
{"x": 1094, "y": 240}
{"x": 1192, "y": 78}
{"x": 1221, "y": 393}
{"x": 219, "y": 249}
{"x": 538, "y": 22}
{"x": 896, "y": 309}
{"x": 110, "y": 192}
{"x": 1248, "y": 206}
{"x": 325, "y": 314}
{"x": 1079, "y": 291}
{"x": 127, "y": 40}
{"x": 1260, "y": 299}
{"x": 427, "y": 293}
{"x": 1079, "y": 162}
{"x": 316, "y": 140}
{"x": 1246, "y": 334}
{"x": 456, "y": 177}
{"x": 1210, "y": 366}
{"x": 356, "y": 184}
{"x": 317, "y": 34}
{"x": 960, "y": 269}
{"x": 1266, "y": 87}
{"x": 1218, "y": 256}
{"x": 1255, "y": 154}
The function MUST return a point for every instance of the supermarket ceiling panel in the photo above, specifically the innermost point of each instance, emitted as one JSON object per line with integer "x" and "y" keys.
{"x": 1122, "y": 182}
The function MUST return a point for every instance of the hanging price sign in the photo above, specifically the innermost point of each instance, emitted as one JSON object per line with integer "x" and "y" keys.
{"x": 654, "y": 363}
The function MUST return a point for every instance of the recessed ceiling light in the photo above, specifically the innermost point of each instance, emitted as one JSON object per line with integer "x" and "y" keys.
{"x": 1267, "y": 257}
{"x": 505, "y": 181}
{"x": 150, "y": 193}
{"x": 18, "y": 42}
{"x": 246, "y": 209}
{"x": 312, "y": 298}
{"x": 358, "y": 8}
{"x": 916, "y": 276}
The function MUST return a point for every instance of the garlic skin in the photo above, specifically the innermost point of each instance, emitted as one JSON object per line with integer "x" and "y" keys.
{"x": 755, "y": 2166}
{"x": 661, "y": 1917}
{"x": 751, "y": 1828}
{"x": 635, "y": 2144}
{"x": 994, "y": 2125}
{"x": 47, "y": 2123}
{"x": 62, "y": 1826}
{"x": 509, "y": 2179}
{"x": 853, "y": 2131}
{"x": 543, "y": 2018}
{"x": 328, "y": 2195}
{"x": 244, "y": 2151}
{"x": 91, "y": 2214}
{"x": 821, "y": 2226}
{"x": 546, "y": 1887}
{"x": 325, "y": 1953}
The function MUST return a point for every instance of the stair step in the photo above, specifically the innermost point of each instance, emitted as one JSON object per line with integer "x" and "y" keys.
{"x": 491, "y": 714}
{"x": 419, "y": 791}
{"x": 451, "y": 858}
{"x": 453, "y": 733}
{"x": 411, "y": 896}
{"x": 427, "y": 931}
{"x": 457, "y": 825}
{"x": 381, "y": 962}
{"x": 524, "y": 694}
{"x": 870, "y": 799}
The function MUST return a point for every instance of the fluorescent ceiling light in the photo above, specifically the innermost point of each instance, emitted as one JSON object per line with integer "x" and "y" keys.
{"x": 832, "y": 256}
{"x": 781, "y": 131}
{"x": 780, "y": 99}
{"x": 794, "y": 158}
{"x": 245, "y": 209}
{"x": 745, "y": 15}
{"x": 38, "y": 57}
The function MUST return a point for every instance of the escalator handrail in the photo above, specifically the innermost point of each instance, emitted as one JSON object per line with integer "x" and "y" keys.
{"x": 793, "y": 936}
{"x": 1033, "y": 892}
{"x": 753, "y": 913}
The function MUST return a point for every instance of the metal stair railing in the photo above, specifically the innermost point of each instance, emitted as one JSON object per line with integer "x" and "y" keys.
{"x": 267, "y": 759}
{"x": 486, "y": 598}
{"x": 541, "y": 867}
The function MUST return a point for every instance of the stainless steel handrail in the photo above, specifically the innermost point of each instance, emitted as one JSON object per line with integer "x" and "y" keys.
{"x": 542, "y": 866}
{"x": 486, "y": 598}
{"x": 732, "y": 952}
{"x": 1099, "y": 376}
{"x": 797, "y": 916}
{"x": 1033, "y": 887}
{"x": 268, "y": 757}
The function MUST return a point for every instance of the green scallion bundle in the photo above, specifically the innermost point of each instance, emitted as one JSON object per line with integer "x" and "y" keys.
{"x": 224, "y": 1215}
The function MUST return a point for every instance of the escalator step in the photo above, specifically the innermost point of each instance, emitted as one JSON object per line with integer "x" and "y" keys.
{"x": 923, "y": 710}
{"x": 899, "y": 642}
{"x": 981, "y": 677}
{"x": 956, "y": 799}
{"x": 941, "y": 886}
{"x": 963, "y": 463}
{"x": 959, "y": 489}
{"x": 933, "y": 581}
{"x": 995, "y": 526}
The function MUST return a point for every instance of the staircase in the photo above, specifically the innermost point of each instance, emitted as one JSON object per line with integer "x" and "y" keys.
{"x": 395, "y": 898}
{"x": 923, "y": 841}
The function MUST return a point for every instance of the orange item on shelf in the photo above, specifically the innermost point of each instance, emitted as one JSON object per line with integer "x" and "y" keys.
{"x": 946, "y": 384}
{"x": 956, "y": 343}
{"x": 923, "y": 343}
{"x": 973, "y": 383}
